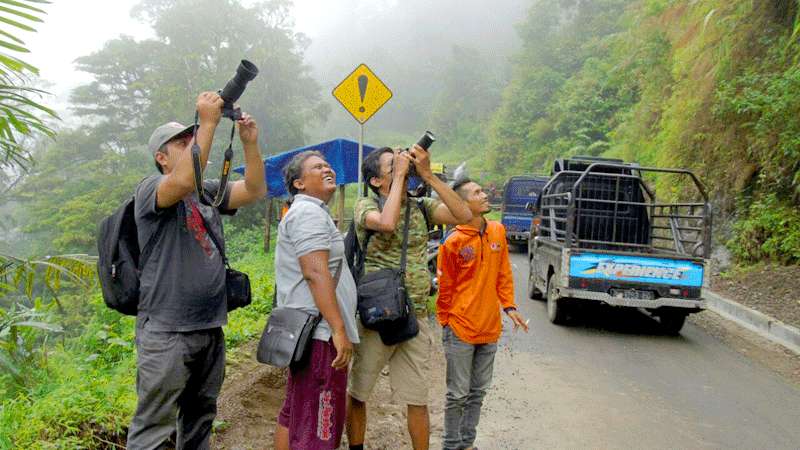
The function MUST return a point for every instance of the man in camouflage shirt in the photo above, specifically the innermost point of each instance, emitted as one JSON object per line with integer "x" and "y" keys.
{"x": 385, "y": 249}
{"x": 386, "y": 172}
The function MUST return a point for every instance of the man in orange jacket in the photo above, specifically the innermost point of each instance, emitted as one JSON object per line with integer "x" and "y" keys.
{"x": 475, "y": 281}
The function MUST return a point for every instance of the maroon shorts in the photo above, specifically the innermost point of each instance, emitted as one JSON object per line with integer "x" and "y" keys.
{"x": 314, "y": 409}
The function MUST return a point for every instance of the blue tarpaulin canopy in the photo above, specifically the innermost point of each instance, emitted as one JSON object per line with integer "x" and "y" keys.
{"x": 341, "y": 154}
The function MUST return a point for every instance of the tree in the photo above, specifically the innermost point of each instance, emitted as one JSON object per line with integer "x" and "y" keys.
{"x": 198, "y": 45}
{"x": 563, "y": 96}
{"x": 85, "y": 180}
{"x": 139, "y": 85}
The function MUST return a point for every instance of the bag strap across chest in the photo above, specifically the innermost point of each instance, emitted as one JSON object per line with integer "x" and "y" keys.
{"x": 406, "y": 225}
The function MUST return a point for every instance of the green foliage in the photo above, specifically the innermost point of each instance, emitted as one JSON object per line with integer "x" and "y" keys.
{"x": 20, "y": 115}
{"x": 770, "y": 231}
{"x": 85, "y": 181}
{"x": 245, "y": 324}
{"x": 23, "y": 336}
{"x": 83, "y": 395}
{"x": 703, "y": 85}
{"x": 564, "y": 93}
{"x": 28, "y": 299}
{"x": 80, "y": 393}
{"x": 80, "y": 405}
{"x": 759, "y": 101}
{"x": 21, "y": 275}
{"x": 243, "y": 241}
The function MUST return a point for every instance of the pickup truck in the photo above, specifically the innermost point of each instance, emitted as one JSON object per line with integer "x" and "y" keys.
{"x": 600, "y": 235}
{"x": 517, "y": 193}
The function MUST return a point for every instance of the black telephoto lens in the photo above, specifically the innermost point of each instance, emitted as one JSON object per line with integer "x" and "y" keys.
{"x": 244, "y": 74}
{"x": 426, "y": 140}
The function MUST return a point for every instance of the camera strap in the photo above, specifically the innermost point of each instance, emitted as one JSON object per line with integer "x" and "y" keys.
{"x": 198, "y": 171}
{"x": 213, "y": 237}
{"x": 380, "y": 201}
{"x": 405, "y": 239}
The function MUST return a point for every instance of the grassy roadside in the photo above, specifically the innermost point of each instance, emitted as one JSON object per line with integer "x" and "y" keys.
{"x": 83, "y": 394}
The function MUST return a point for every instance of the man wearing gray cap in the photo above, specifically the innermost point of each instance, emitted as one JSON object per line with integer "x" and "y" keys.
{"x": 182, "y": 307}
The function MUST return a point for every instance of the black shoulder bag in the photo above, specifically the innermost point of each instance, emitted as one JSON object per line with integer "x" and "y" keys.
{"x": 287, "y": 336}
{"x": 237, "y": 284}
{"x": 383, "y": 303}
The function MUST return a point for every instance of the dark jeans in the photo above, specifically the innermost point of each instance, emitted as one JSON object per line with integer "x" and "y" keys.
{"x": 469, "y": 375}
{"x": 178, "y": 376}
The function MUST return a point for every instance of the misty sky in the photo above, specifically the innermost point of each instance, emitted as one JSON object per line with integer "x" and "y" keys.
{"x": 333, "y": 26}
{"x": 65, "y": 36}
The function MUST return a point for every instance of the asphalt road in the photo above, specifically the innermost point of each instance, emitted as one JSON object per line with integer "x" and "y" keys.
{"x": 611, "y": 379}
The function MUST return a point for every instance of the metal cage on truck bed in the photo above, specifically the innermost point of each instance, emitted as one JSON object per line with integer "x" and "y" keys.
{"x": 607, "y": 205}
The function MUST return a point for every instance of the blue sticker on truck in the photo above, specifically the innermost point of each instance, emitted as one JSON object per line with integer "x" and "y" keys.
{"x": 637, "y": 269}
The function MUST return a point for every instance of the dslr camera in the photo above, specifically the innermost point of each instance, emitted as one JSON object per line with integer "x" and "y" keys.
{"x": 425, "y": 142}
{"x": 235, "y": 87}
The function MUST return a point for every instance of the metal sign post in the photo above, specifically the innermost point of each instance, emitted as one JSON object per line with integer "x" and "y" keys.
{"x": 360, "y": 159}
{"x": 362, "y": 94}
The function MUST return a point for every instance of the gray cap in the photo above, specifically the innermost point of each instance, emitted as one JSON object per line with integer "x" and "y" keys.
{"x": 165, "y": 133}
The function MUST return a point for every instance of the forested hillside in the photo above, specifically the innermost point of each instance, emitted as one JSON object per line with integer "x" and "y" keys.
{"x": 708, "y": 85}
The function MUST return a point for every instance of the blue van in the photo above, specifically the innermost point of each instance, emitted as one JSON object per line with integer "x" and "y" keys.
{"x": 517, "y": 193}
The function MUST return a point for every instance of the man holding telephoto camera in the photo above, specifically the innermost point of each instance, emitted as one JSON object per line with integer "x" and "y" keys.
{"x": 386, "y": 173}
{"x": 182, "y": 305}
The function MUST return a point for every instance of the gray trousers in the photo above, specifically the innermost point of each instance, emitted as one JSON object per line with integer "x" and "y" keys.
{"x": 469, "y": 375}
{"x": 178, "y": 376}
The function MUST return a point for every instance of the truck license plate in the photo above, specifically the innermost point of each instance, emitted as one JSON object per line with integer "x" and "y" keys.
{"x": 633, "y": 294}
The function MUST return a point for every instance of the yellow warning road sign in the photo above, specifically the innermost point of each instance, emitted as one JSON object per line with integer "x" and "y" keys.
{"x": 362, "y": 93}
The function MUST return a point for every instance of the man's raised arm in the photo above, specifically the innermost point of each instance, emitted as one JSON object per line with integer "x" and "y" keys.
{"x": 179, "y": 181}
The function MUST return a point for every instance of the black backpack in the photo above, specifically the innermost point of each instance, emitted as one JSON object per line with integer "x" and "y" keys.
{"x": 119, "y": 260}
{"x": 354, "y": 252}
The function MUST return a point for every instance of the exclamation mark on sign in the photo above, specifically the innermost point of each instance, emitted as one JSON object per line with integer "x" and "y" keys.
{"x": 362, "y": 89}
